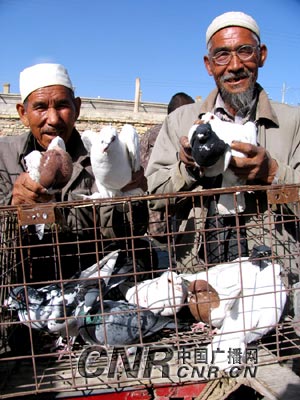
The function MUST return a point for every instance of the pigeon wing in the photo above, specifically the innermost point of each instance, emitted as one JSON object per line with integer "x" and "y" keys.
{"x": 32, "y": 161}
{"x": 87, "y": 138}
{"x": 130, "y": 138}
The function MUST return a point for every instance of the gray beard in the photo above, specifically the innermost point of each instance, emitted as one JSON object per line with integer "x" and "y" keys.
{"x": 240, "y": 102}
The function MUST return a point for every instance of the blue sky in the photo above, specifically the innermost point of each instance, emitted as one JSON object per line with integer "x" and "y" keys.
{"x": 106, "y": 45}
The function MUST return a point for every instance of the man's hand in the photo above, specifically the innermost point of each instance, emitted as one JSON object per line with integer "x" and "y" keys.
{"x": 185, "y": 153}
{"x": 27, "y": 191}
{"x": 138, "y": 181}
{"x": 257, "y": 164}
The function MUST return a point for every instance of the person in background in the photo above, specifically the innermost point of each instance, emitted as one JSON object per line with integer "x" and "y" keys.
{"x": 148, "y": 138}
{"x": 49, "y": 108}
{"x": 234, "y": 55}
{"x": 157, "y": 224}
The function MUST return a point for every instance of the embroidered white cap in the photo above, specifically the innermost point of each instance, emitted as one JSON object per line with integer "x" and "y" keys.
{"x": 232, "y": 18}
{"x": 42, "y": 75}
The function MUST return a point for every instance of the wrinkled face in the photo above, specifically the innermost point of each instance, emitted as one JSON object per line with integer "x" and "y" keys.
{"x": 50, "y": 111}
{"x": 238, "y": 76}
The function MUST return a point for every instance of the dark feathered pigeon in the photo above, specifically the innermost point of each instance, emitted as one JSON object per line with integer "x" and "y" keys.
{"x": 207, "y": 147}
{"x": 210, "y": 140}
{"x": 260, "y": 255}
{"x": 120, "y": 323}
{"x": 52, "y": 308}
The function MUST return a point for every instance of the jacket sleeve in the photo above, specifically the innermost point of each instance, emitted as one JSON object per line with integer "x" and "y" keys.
{"x": 5, "y": 186}
{"x": 290, "y": 172}
{"x": 283, "y": 143}
{"x": 10, "y": 168}
{"x": 165, "y": 172}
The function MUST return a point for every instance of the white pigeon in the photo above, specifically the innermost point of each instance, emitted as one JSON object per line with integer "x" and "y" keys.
{"x": 114, "y": 157}
{"x": 255, "y": 311}
{"x": 228, "y": 132}
{"x": 253, "y": 315}
{"x": 164, "y": 295}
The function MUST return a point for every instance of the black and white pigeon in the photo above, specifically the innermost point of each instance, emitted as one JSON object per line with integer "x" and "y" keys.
{"x": 114, "y": 157}
{"x": 260, "y": 255}
{"x": 52, "y": 308}
{"x": 118, "y": 323}
{"x": 210, "y": 140}
{"x": 207, "y": 147}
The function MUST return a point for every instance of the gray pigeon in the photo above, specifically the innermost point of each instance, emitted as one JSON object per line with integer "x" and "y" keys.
{"x": 52, "y": 308}
{"x": 120, "y": 324}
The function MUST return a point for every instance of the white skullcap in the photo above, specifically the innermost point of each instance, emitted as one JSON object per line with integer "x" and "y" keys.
{"x": 232, "y": 18}
{"x": 42, "y": 75}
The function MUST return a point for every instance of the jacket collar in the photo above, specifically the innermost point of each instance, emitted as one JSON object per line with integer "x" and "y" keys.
{"x": 74, "y": 147}
{"x": 264, "y": 110}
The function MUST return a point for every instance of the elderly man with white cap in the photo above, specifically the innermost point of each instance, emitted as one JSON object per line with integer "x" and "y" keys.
{"x": 49, "y": 109}
{"x": 234, "y": 55}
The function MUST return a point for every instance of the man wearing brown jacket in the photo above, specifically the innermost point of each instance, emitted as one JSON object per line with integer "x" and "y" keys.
{"x": 234, "y": 55}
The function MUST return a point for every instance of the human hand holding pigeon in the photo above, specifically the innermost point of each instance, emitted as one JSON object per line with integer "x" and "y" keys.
{"x": 51, "y": 168}
{"x": 211, "y": 139}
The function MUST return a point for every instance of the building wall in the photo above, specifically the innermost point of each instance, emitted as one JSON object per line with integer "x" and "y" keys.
{"x": 94, "y": 114}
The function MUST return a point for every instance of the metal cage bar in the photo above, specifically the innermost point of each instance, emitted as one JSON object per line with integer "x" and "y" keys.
{"x": 48, "y": 295}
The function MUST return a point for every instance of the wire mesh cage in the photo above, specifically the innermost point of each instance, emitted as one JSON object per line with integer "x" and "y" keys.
{"x": 202, "y": 295}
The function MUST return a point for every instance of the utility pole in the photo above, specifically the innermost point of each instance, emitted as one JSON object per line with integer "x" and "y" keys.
{"x": 137, "y": 97}
{"x": 283, "y": 92}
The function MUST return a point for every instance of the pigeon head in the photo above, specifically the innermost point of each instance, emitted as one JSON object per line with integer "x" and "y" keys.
{"x": 17, "y": 298}
{"x": 107, "y": 136}
{"x": 207, "y": 147}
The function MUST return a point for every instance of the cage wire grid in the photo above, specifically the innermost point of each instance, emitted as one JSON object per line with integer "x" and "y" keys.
{"x": 37, "y": 354}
